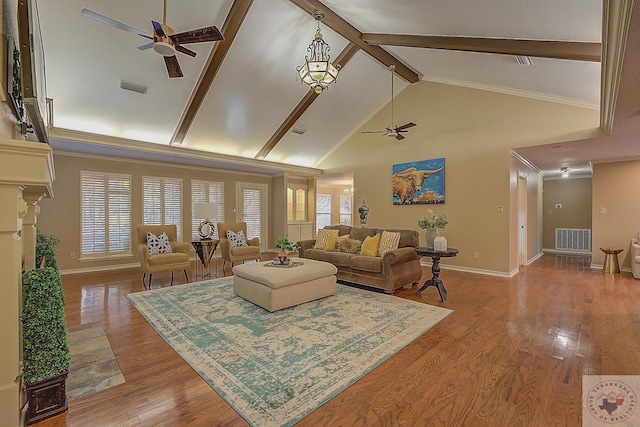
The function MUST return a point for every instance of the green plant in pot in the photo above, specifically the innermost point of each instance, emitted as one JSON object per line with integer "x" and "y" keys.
{"x": 287, "y": 248}
{"x": 46, "y": 355}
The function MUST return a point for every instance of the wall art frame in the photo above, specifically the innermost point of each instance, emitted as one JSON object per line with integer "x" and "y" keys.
{"x": 419, "y": 182}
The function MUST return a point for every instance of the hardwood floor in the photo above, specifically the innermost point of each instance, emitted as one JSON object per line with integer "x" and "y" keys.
{"x": 512, "y": 354}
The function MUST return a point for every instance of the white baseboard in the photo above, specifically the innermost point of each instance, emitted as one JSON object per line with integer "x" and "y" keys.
{"x": 425, "y": 263}
{"x": 566, "y": 252}
{"x": 99, "y": 269}
{"x": 535, "y": 258}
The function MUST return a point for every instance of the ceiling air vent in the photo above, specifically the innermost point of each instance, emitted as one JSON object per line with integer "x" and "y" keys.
{"x": 298, "y": 131}
{"x": 133, "y": 87}
{"x": 523, "y": 60}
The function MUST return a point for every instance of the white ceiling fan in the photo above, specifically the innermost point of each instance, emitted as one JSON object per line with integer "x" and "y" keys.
{"x": 392, "y": 129}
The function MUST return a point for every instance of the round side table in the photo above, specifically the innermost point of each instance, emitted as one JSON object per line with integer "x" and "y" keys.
{"x": 611, "y": 265}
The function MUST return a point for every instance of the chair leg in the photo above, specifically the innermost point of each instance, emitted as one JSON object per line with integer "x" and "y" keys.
{"x": 144, "y": 275}
{"x": 186, "y": 275}
{"x": 150, "y": 275}
{"x": 171, "y": 284}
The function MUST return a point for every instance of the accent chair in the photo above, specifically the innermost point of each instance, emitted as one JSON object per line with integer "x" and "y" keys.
{"x": 231, "y": 253}
{"x": 177, "y": 259}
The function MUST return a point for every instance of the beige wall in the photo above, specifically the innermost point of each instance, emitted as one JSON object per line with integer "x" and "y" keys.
{"x": 61, "y": 215}
{"x": 615, "y": 189}
{"x": 474, "y": 131}
{"x": 575, "y": 197}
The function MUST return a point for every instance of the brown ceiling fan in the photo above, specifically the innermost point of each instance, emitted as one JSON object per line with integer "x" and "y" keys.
{"x": 392, "y": 129}
{"x": 165, "y": 41}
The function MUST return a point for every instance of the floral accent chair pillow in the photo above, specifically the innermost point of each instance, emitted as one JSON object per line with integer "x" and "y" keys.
{"x": 158, "y": 244}
{"x": 236, "y": 239}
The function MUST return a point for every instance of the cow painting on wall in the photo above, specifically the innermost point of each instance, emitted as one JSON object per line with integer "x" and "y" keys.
{"x": 420, "y": 182}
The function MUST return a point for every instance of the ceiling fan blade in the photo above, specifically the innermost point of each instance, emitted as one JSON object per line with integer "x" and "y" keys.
{"x": 185, "y": 50}
{"x": 406, "y": 126}
{"x": 399, "y": 137}
{"x": 146, "y": 46}
{"x": 206, "y": 34}
{"x": 113, "y": 23}
{"x": 157, "y": 29}
{"x": 374, "y": 131}
{"x": 173, "y": 67}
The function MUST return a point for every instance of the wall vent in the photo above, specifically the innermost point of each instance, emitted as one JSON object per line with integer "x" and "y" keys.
{"x": 133, "y": 87}
{"x": 298, "y": 131}
{"x": 573, "y": 239}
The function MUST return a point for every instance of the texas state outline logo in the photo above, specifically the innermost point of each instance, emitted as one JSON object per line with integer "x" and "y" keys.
{"x": 609, "y": 401}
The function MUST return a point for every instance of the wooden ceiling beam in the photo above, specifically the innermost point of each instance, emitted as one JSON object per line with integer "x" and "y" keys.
{"x": 349, "y": 32}
{"x": 230, "y": 29}
{"x": 342, "y": 59}
{"x": 576, "y": 51}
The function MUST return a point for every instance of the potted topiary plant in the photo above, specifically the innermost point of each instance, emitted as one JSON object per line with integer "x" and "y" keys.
{"x": 46, "y": 355}
{"x": 46, "y": 250}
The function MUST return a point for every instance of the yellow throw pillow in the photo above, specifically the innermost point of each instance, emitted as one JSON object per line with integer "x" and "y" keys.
{"x": 370, "y": 245}
{"x": 388, "y": 242}
{"x": 323, "y": 237}
{"x": 331, "y": 242}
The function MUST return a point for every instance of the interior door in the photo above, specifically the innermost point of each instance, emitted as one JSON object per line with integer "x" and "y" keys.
{"x": 251, "y": 207}
{"x": 522, "y": 219}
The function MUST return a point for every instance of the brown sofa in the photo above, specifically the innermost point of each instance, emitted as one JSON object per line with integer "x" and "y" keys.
{"x": 394, "y": 270}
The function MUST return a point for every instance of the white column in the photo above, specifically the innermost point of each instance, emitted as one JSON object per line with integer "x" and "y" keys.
{"x": 26, "y": 172}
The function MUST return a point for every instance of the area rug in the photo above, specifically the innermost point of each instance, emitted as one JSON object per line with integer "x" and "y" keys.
{"x": 93, "y": 365}
{"x": 275, "y": 368}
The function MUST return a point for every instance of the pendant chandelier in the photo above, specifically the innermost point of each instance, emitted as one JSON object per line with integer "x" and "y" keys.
{"x": 317, "y": 71}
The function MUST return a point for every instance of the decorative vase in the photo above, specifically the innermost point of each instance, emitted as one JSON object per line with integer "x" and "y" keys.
{"x": 431, "y": 234}
{"x": 440, "y": 243}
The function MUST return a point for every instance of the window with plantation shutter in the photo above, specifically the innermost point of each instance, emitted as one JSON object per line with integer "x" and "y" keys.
{"x": 323, "y": 210}
{"x": 105, "y": 214}
{"x": 206, "y": 192}
{"x": 345, "y": 209}
{"x": 252, "y": 208}
{"x": 162, "y": 202}
{"x": 252, "y": 212}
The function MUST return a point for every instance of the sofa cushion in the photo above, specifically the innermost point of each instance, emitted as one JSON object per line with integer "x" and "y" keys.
{"x": 362, "y": 233}
{"x": 164, "y": 259}
{"x": 388, "y": 242}
{"x": 323, "y": 238}
{"x": 370, "y": 246}
{"x": 369, "y": 264}
{"x": 339, "y": 259}
{"x": 342, "y": 229}
{"x": 317, "y": 254}
{"x": 408, "y": 238}
{"x": 348, "y": 245}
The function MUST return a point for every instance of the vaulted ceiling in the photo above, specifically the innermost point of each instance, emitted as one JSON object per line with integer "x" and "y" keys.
{"x": 239, "y": 99}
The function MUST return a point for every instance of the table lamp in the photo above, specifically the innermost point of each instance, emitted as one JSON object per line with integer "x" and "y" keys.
{"x": 207, "y": 211}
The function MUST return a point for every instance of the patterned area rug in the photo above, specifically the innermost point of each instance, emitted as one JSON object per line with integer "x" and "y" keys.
{"x": 93, "y": 364}
{"x": 275, "y": 368}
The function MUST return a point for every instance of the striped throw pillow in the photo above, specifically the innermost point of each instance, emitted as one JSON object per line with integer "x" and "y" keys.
{"x": 388, "y": 242}
{"x": 323, "y": 237}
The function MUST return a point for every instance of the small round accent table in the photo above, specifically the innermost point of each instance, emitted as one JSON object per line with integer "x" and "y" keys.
{"x": 611, "y": 265}
{"x": 435, "y": 269}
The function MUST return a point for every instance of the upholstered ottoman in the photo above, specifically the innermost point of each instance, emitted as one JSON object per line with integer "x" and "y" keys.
{"x": 274, "y": 288}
